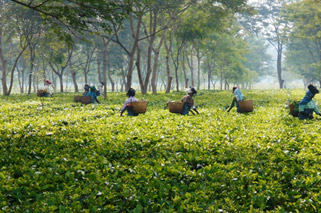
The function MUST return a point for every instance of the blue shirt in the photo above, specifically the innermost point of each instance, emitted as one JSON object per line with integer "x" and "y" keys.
{"x": 238, "y": 95}
{"x": 93, "y": 96}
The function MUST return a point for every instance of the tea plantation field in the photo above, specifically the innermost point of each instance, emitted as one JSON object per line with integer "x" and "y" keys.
{"x": 67, "y": 157}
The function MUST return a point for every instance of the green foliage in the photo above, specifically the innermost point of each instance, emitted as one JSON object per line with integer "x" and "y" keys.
{"x": 303, "y": 54}
{"x": 64, "y": 156}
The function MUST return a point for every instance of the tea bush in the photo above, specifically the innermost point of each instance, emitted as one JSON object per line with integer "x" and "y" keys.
{"x": 57, "y": 155}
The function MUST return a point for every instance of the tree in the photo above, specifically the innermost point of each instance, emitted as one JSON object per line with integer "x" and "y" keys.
{"x": 68, "y": 17}
{"x": 16, "y": 34}
{"x": 272, "y": 26}
{"x": 305, "y": 38}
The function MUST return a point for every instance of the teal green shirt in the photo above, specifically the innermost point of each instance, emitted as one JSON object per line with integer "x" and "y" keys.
{"x": 310, "y": 105}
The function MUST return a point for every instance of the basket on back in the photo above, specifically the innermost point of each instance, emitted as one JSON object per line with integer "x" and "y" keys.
{"x": 139, "y": 106}
{"x": 82, "y": 99}
{"x": 294, "y": 108}
{"x": 175, "y": 106}
{"x": 41, "y": 93}
{"x": 246, "y": 106}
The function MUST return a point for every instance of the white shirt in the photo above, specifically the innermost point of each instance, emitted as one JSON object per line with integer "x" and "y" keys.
{"x": 128, "y": 101}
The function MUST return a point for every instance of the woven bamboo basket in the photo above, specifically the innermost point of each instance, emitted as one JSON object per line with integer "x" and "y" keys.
{"x": 77, "y": 98}
{"x": 294, "y": 109}
{"x": 85, "y": 99}
{"x": 139, "y": 106}
{"x": 246, "y": 106}
{"x": 175, "y": 106}
{"x": 41, "y": 93}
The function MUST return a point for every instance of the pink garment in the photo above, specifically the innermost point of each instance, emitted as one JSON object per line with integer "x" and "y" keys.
{"x": 128, "y": 101}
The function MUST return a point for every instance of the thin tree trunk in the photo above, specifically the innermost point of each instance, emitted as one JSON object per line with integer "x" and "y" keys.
{"x": 61, "y": 83}
{"x": 169, "y": 77}
{"x": 156, "y": 57}
{"x": 184, "y": 71}
{"x": 209, "y": 76}
{"x": 13, "y": 69}
{"x": 105, "y": 71}
{"x": 32, "y": 58}
{"x": 192, "y": 66}
{"x": 133, "y": 49}
{"x": 279, "y": 65}
{"x": 73, "y": 76}
{"x": 99, "y": 71}
{"x": 168, "y": 71}
{"x": 140, "y": 78}
{"x": 221, "y": 80}
{"x": 198, "y": 68}
{"x": 123, "y": 84}
{"x": 4, "y": 65}
{"x": 111, "y": 79}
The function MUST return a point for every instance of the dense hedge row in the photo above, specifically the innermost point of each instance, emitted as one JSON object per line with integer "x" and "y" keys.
{"x": 64, "y": 156}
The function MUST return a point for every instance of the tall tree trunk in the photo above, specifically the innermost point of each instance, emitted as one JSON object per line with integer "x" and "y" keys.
{"x": 61, "y": 82}
{"x": 133, "y": 49}
{"x": 168, "y": 48}
{"x": 19, "y": 80}
{"x": 198, "y": 68}
{"x": 123, "y": 82}
{"x": 184, "y": 71}
{"x": 209, "y": 76}
{"x": 105, "y": 72}
{"x": 140, "y": 77}
{"x": 3, "y": 65}
{"x": 169, "y": 77}
{"x": 100, "y": 79}
{"x": 34, "y": 82}
{"x": 190, "y": 63}
{"x": 154, "y": 74}
{"x": 279, "y": 64}
{"x": 156, "y": 56}
{"x": 192, "y": 67}
{"x": 13, "y": 69}
{"x": 176, "y": 76}
{"x": 32, "y": 59}
{"x": 73, "y": 76}
{"x": 111, "y": 79}
{"x": 221, "y": 79}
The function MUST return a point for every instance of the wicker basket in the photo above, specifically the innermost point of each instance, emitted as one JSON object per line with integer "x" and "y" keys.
{"x": 77, "y": 98}
{"x": 246, "y": 106}
{"x": 139, "y": 106}
{"x": 175, "y": 106}
{"x": 41, "y": 93}
{"x": 294, "y": 109}
{"x": 85, "y": 99}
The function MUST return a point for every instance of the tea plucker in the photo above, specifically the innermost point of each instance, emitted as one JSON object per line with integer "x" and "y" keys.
{"x": 189, "y": 102}
{"x": 307, "y": 105}
{"x": 92, "y": 94}
{"x": 238, "y": 96}
{"x": 127, "y": 105}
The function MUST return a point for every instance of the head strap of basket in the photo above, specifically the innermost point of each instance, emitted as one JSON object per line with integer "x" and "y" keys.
{"x": 234, "y": 88}
{"x": 313, "y": 89}
{"x": 190, "y": 90}
{"x": 131, "y": 92}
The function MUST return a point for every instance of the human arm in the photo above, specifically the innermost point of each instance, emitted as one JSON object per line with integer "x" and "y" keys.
{"x": 194, "y": 108}
{"x": 232, "y": 104}
{"x": 127, "y": 104}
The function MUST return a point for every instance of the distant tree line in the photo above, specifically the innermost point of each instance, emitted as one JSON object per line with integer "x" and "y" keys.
{"x": 154, "y": 45}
